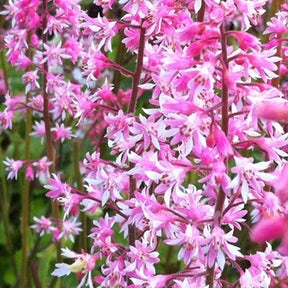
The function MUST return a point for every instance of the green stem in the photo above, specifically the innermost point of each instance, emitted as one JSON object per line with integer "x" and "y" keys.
{"x": 47, "y": 121}
{"x": 79, "y": 181}
{"x": 25, "y": 217}
{"x": 4, "y": 69}
{"x": 120, "y": 61}
{"x": 26, "y": 189}
{"x": 5, "y": 212}
{"x": 46, "y": 114}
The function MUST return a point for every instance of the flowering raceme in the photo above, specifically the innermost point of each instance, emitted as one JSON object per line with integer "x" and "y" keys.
{"x": 164, "y": 125}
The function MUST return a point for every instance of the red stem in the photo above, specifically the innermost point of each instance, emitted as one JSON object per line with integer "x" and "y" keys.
{"x": 225, "y": 127}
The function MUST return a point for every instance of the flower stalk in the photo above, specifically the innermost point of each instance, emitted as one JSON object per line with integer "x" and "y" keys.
{"x": 131, "y": 109}
{"x": 225, "y": 127}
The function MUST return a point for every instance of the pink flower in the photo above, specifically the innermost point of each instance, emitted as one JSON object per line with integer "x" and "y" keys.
{"x": 114, "y": 274}
{"x": 29, "y": 173}
{"x": 219, "y": 243}
{"x": 272, "y": 110}
{"x": 263, "y": 64}
{"x": 6, "y": 118}
{"x": 42, "y": 167}
{"x": 53, "y": 54}
{"x": 43, "y": 225}
{"x": 246, "y": 40}
{"x": 56, "y": 187}
{"x": 30, "y": 79}
{"x": 39, "y": 130}
{"x": 13, "y": 167}
{"x": 95, "y": 62}
{"x": 69, "y": 228}
{"x": 189, "y": 242}
{"x": 281, "y": 185}
{"x": 60, "y": 132}
{"x": 104, "y": 29}
{"x": 83, "y": 263}
{"x": 73, "y": 48}
{"x": 269, "y": 228}
{"x": 70, "y": 202}
{"x": 217, "y": 137}
{"x": 142, "y": 256}
{"x": 277, "y": 25}
{"x": 249, "y": 175}
{"x": 35, "y": 41}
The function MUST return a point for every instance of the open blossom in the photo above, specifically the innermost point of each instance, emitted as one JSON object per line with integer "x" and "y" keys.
{"x": 54, "y": 55}
{"x": 60, "y": 132}
{"x": 13, "y": 166}
{"x": 249, "y": 175}
{"x": 83, "y": 263}
{"x": 190, "y": 241}
{"x": 263, "y": 64}
{"x": 6, "y": 118}
{"x": 30, "y": 79}
{"x": 277, "y": 25}
{"x": 104, "y": 30}
{"x": 43, "y": 225}
{"x": 39, "y": 130}
{"x": 42, "y": 169}
{"x": 69, "y": 228}
{"x": 142, "y": 256}
{"x": 219, "y": 244}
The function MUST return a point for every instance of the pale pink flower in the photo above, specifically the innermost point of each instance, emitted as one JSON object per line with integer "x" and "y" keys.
{"x": 39, "y": 130}
{"x": 42, "y": 167}
{"x": 142, "y": 256}
{"x": 6, "y": 118}
{"x": 60, "y": 132}
{"x": 30, "y": 79}
{"x": 83, "y": 263}
{"x": 189, "y": 241}
{"x": 13, "y": 167}
{"x": 218, "y": 243}
{"x": 104, "y": 29}
{"x": 36, "y": 102}
{"x": 43, "y": 225}
{"x": 69, "y": 228}
{"x": 54, "y": 55}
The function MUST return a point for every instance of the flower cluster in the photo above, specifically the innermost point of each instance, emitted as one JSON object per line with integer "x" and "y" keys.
{"x": 184, "y": 160}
